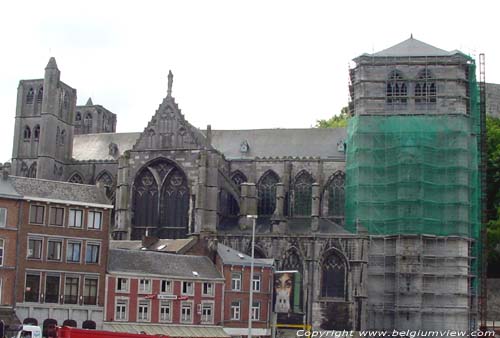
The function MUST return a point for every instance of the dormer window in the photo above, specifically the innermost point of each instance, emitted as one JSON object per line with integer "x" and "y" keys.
{"x": 396, "y": 89}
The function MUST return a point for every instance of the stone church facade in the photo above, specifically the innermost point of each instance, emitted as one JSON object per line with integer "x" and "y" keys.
{"x": 173, "y": 180}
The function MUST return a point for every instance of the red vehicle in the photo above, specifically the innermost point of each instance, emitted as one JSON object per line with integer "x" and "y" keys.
{"x": 71, "y": 332}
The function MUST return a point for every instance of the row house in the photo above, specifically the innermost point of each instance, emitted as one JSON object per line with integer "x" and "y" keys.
{"x": 163, "y": 293}
{"x": 236, "y": 269}
{"x": 62, "y": 240}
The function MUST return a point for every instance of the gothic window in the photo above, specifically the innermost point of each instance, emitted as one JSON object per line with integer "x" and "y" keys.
{"x": 36, "y": 133}
{"x": 425, "y": 88}
{"x": 78, "y": 117}
{"x": 396, "y": 89}
{"x": 30, "y": 96}
{"x": 151, "y": 134}
{"x": 76, "y": 178}
{"x": 105, "y": 179}
{"x": 160, "y": 201}
{"x": 267, "y": 193}
{"x": 333, "y": 276}
{"x": 302, "y": 193}
{"x": 238, "y": 177}
{"x": 27, "y": 133}
{"x": 39, "y": 95}
{"x": 66, "y": 101}
{"x": 32, "y": 170}
{"x": 292, "y": 261}
{"x": 336, "y": 195}
{"x": 24, "y": 169}
{"x": 87, "y": 123}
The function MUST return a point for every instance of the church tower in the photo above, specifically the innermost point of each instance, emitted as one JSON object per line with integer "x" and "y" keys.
{"x": 413, "y": 184}
{"x": 43, "y": 128}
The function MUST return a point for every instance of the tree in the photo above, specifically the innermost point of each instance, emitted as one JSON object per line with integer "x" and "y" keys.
{"x": 336, "y": 121}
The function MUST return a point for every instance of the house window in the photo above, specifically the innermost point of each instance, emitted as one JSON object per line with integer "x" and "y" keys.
{"x": 425, "y": 88}
{"x": 165, "y": 311}
{"x": 267, "y": 193}
{"x": 92, "y": 253}
{"x": 71, "y": 290}
{"x": 1, "y": 251}
{"x": 36, "y": 133}
{"x": 302, "y": 194}
{"x": 143, "y": 311}
{"x": 90, "y": 291}
{"x": 54, "y": 249}
{"x": 3, "y": 217}
{"x": 75, "y": 218}
{"x": 121, "y": 309}
{"x": 122, "y": 284}
{"x": 336, "y": 195}
{"x": 187, "y": 288}
{"x": 32, "y": 289}
{"x": 207, "y": 313}
{"x": 52, "y": 289}
{"x": 186, "y": 312}
{"x": 255, "y": 310}
{"x": 56, "y": 216}
{"x": 94, "y": 220}
{"x": 36, "y": 214}
{"x": 166, "y": 286}
{"x": 396, "y": 89}
{"x": 34, "y": 248}
{"x": 236, "y": 281}
{"x": 145, "y": 286}
{"x": 235, "y": 311}
{"x": 256, "y": 283}
{"x": 39, "y": 95}
{"x": 30, "y": 96}
{"x": 208, "y": 289}
{"x": 333, "y": 276}
{"x": 73, "y": 250}
{"x": 27, "y": 134}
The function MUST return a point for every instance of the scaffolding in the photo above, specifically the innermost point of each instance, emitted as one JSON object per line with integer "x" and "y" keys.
{"x": 414, "y": 183}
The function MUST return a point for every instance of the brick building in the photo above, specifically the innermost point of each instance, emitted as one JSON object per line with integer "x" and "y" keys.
{"x": 235, "y": 267}
{"x": 62, "y": 231}
{"x": 158, "y": 292}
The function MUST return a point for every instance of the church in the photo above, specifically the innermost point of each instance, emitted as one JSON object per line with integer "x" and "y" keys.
{"x": 380, "y": 219}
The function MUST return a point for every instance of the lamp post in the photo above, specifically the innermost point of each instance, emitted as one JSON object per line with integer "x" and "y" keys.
{"x": 250, "y": 300}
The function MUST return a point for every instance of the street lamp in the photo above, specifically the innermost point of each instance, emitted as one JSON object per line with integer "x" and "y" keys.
{"x": 250, "y": 301}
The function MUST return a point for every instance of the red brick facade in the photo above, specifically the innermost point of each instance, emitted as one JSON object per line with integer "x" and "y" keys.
{"x": 8, "y": 245}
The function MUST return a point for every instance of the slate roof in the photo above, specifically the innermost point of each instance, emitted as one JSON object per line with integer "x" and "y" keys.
{"x": 163, "y": 264}
{"x": 234, "y": 257}
{"x": 179, "y": 245}
{"x": 310, "y": 142}
{"x": 72, "y": 193}
{"x": 412, "y": 47}
{"x": 7, "y": 189}
{"x": 96, "y": 146}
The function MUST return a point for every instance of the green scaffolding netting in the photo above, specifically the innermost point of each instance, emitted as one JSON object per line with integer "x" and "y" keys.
{"x": 416, "y": 174}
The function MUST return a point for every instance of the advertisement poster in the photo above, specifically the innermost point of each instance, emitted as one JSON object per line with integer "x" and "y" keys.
{"x": 287, "y": 298}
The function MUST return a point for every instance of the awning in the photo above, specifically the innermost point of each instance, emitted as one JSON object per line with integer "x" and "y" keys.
{"x": 186, "y": 331}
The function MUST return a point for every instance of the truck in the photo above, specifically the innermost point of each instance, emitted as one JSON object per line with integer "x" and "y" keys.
{"x": 32, "y": 331}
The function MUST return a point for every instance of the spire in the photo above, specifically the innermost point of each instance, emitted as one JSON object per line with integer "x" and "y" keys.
{"x": 170, "y": 81}
{"x": 411, "y": 35}
{"x": 89, "y": 102}
{"x": 52, "y": 64}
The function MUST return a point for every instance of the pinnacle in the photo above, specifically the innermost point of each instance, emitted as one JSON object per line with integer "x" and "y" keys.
{"x": 52, "y": 63}
{"x": 89, "y": 102}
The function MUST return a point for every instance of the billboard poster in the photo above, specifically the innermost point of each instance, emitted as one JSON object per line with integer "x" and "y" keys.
{"x": 287, "y": 297}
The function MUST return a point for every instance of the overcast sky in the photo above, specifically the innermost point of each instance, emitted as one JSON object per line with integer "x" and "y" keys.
{"x": 236, "y": 64}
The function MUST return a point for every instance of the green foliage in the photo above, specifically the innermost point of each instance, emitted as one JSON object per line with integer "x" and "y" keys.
{"x": 336, "y": 121}
{"x": 493, "y": 192}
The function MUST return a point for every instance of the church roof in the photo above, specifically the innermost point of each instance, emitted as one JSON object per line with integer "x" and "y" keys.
{"x": 311, "y": 142}
{"x": 96, "y": 146}
{"x": 162, "y": 264}
{"x": 56, "y": 191}
{"x": 412, "y": 47}
{"x": 234, "y": 257}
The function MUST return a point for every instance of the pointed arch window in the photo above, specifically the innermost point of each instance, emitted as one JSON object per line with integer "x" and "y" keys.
{"x": 267, "y": 193}
{"x": 76, "y": 178}
{"x": 32, "y": 170}
{"x": 396, "y": 89}
{"x": 39, "y": 95}
{"x": 302, "y": 194}
{"x": 425, "y": 88}
{"x": 336, "y": 195}
{"x": 160, "y": 201}
{"x": 106, "y": 180}
{"x": 292, "y": 261}
{"x": 238, "y": 177}
{"x": 333, "y": 276}
{"x": 66, "y": 101}
{"x": 87, "y": 123}
{"x": 27, "y": 134}
{"x": 36, "y": 133}
{"x": 78, "y": 117}
{"x": 30, "y": 96}
{"x": 63, "y": 137}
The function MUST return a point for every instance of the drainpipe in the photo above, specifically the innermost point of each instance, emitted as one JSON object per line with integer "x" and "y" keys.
{"x": 18, "y": 251}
